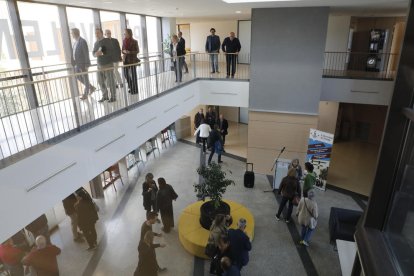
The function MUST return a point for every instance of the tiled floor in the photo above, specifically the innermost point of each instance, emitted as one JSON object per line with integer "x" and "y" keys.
{"x": 274, "y": 252}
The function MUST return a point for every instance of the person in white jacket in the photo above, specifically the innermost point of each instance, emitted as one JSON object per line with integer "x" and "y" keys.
{"x": 307, "y": 213}
{"x": 204, "y": 130}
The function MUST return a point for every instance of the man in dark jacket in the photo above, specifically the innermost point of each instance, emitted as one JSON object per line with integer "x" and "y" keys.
{"x": 81, "y": 62}
{"x": 213, "y": 48}
{"x": 223, "y": 126}
{"x": 197, "y": 122}
{"x": 215, "y": 143}
{"x": 116, "y": 55}
{"x": 211, "y": 117}
{"x": 231, "y": 46}
{"x": 239, "y": 244}
{"x": 181, "y": 40}
{"x": 69, "y": 206}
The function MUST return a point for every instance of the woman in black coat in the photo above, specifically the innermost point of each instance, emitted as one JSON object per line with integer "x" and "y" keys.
{"x": 147, "y": 260}
{"x": 288, "y": 188}
{"x": 149, "y": 193}
{"x": 87, "y": 217}
{"x": 165, "y": 196}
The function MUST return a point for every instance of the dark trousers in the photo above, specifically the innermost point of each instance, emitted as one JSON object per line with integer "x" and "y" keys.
{"x": 106, "y": 79}
{"x": 223, "y": 137}
{"x": 231, "y": 62}
{"x": 130, "y": 73}
{"x": 213, "y": 150}
{"x": 178, "y": 69}
{"x": 90, "y": 234}
{"x": 185, "y": 66}
{"x": 282, "y": 205}
{"x": 84, "y": 79}
{"x": 204, "y": 143}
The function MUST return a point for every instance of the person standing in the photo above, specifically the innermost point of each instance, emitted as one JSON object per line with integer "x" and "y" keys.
{"x": 223, "y": 126}
{"x": 117, "y": 57}
{"x": 165, "y": 196}
{"x": 177, "y": 52}
{"x": 69, "y": 205}
{"x": 295, "y": 164}
{"x": 310, "y": 179}
{"x": 239, "y": 244}
{"x": 203, "y": 131}
{"x": 215, "y": 144}
{"x": 197, "y": 121}
{"x": 181, "y": 40}
{"x": 11, "y": 256}
{"x": 213, "y": 49}
{"x": 43, "y": 258}
{"x": 211, "y": 117}
{"x": 81, "y": 62}
{"x": 287, "y": 189}
{"x": 103, "y": 50}
{"x": 130, "y": 50}
{"x": 149, "y": 193}
{"x": 307, "y": 216}
{"x": 231, "y": 46}
{"x": 147, "y": 259}
{"x": 87, "y": 217}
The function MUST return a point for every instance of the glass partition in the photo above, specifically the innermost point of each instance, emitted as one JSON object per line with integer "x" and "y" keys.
{"x": 111, "y": 21}
{"x": 153, "y": 34}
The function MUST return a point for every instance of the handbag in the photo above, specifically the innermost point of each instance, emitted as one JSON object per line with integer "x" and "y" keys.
{"x": 210, "y": 250}
{"x": 313, "y": 221}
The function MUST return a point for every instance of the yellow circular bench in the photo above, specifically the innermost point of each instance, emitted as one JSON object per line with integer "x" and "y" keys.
{"x": 194, "y": 237}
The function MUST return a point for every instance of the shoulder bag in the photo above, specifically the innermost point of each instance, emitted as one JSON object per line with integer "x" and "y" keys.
{"x": 313, "y": 220}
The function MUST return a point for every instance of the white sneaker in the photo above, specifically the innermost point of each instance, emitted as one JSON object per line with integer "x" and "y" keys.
{"x": 305, "y": 243}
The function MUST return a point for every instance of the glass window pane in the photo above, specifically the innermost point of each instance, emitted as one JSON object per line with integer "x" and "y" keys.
{"x": 153, "y": 34}
{"x": 8, "y": 55}
{"x": 134, "y": 23}
{"x": 83, "y": 20}
{"x": 111, "y": 21}
{"x": 42, "y": 34}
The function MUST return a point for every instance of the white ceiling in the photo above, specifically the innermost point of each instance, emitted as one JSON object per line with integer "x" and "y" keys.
{"x": 219, "y": 9}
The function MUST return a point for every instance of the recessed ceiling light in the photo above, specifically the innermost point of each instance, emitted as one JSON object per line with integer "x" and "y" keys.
{"x": 107, "y": 2}
{"x": 238, "y": 11}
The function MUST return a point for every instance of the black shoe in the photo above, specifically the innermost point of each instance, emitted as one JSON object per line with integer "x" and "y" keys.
{"x": 212, "y": 72}
{"x": 220, "y": 161}
{"x": 227, "y": 76}
{"x": 161, "y": 269}
{"x": 119, "y": 85}
{"x": 103, "y": 99}
{"x": 232, "y": 76}
{"x": 111, "y": 100}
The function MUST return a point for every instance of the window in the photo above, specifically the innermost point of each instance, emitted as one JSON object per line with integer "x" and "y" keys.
{"x": 8, "y": 55}
{"x": 134, "y": 23}
{"x": 111, "y": 21}
{"x": 42, "y": 34}
{"x": 153, "y": 34}
{"x": 83, "y": 20}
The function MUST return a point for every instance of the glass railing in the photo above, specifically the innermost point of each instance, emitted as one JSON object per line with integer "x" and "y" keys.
{"x": 33, "y": 112}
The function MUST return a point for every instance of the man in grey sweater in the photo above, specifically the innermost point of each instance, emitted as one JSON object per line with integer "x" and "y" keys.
{"x": 103, "y": 50}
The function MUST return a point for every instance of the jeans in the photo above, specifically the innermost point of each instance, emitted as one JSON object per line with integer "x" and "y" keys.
{"x": 84, "y": 78}
{"x": 282, "y": 205}
{"x": 105, "y": 80}
{"x": 231, "y": 62}
{"x": 130, "y": 73}
{"x": 213, "y": 150}
{"x": 214, "y": 61}
{"x": 204, "y": 139}
{"x": 306, "y": 233}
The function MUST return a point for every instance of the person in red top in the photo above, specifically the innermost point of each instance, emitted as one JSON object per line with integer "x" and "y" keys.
{"x": 11, "y": 257}
{"x": 43, "y": 258}
{"x": 130, "y": 51}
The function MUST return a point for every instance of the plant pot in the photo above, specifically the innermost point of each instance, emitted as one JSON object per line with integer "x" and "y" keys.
{"x": 208, "y": 213}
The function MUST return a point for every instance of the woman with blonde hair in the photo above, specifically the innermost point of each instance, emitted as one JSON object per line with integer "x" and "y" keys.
{"x": 288, "y": 188}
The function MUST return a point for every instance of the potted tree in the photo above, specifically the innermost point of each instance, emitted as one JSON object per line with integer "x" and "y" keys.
{"x": 213, "y": 185}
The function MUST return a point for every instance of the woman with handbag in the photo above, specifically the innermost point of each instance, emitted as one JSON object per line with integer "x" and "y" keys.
{"x": 307, "y": 216}
{"x": 287, "y": 189}
{"x": 165, "y": 196}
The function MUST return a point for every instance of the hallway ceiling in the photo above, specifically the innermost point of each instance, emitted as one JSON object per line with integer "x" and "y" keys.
{"x": 219, "y": 9}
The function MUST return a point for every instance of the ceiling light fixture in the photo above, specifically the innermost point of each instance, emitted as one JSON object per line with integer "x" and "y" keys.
{"x": 107, "y": 2}
{"x": 238, "y": 11}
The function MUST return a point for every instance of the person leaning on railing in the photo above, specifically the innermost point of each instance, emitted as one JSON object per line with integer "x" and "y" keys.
{"x": 130, "y": 50}
{"x": 231, "y": 46}
{"x": 103, "y": 50}
{"x": 177, "y": 53}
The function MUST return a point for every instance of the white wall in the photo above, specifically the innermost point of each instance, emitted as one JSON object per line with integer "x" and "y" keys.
{"x": 62, "y": 168}
{"x": 230, "y": 113}
{"x": 357, "y": 91}
{"x": 226, "y": 93}
{"x": 200, "y": 30}
{"x": 328, "y": 114}
{"x": 337, "y": 34}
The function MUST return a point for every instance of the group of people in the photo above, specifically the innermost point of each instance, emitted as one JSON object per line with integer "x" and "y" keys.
{"x": 230, "y": 46}
{"x": 212, "y": 131}
{"x": 290, "y": 190}
{"x": 108, "y": 53}
{"x": 228, "y": 248}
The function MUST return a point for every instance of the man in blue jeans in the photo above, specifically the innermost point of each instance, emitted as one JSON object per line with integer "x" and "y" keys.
{"x": 213, "y": 48}
{"x": 239, "y": 244}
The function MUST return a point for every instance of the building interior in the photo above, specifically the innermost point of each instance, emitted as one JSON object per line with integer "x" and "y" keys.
{"x": 343, "y": 68}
